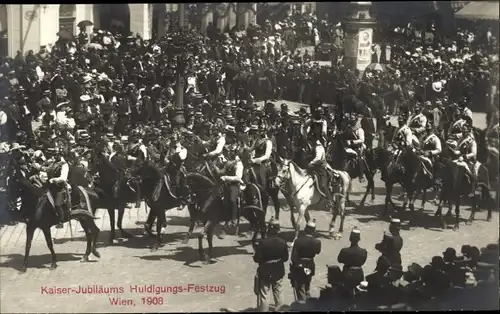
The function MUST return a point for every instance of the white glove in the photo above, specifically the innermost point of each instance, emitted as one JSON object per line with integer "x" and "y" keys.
{"x": 461, "y": 159}
{"x": 52, "y": 180}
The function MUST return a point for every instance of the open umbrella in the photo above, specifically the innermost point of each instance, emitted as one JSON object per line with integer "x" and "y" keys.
{"x": 64, "y": 34}
{"x": 85, "y": 23}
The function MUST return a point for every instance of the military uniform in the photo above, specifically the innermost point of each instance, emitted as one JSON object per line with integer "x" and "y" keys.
{"x": 303, "y": 268}
{"x": 431, "y": 147}
{"x": 353, "y": 258}
{"x": 468, "y": 149}
{"x": 271, "y": 255}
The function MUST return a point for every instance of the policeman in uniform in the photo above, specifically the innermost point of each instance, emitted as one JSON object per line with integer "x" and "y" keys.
{"x": 271, "y": 254}
{"x": 431, "y": 146}
{"x": 467, "y": 150}
{"x": 418, "y": 122}
{"x": 355, "y": 147}
{"x": 58, "y": 178}
{"x": 263, "y": 149}
{"x": 233, "y": 177}
{"x": 302, "y": 268}
{"x": 390, "y": 247}
{"x": 353, "y": 258}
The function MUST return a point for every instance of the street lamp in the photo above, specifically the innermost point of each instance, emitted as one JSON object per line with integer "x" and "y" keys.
{"x": 182, "y": 45}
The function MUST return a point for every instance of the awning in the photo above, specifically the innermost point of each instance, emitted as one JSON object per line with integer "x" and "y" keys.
{"x": 479, "y": 10}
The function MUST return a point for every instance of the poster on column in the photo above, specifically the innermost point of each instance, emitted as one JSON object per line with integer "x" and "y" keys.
{"x": 364, "y": 48}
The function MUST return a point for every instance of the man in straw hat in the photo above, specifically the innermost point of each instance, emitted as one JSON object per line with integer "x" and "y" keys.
{"x": 302, "y": 267}
{"x": 271, "y": 255}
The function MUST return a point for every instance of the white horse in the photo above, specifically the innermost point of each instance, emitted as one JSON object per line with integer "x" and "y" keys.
{"x": 303, "y": 193}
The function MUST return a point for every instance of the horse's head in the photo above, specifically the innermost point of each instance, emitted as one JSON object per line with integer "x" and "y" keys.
{"x": 284, "y": 171}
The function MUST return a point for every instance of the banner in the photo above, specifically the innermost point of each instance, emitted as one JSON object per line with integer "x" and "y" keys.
{"x": 364, "y": 57}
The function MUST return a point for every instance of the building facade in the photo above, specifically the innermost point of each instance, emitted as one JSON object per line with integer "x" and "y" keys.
{"x": 25, "y": 27}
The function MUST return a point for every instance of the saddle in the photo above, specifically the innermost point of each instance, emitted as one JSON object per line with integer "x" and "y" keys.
{"x": 67, "y": 204}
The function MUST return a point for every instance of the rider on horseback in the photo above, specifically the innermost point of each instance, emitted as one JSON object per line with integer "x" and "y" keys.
{"x": 263, "y": 149}
{"x": 233, "y": 177}
{"x": 174, "y": 165}
{"x": 457, "y": 125}
{"x": 315, "y": 127}
{"x": 431, "y": 146}
{"x": 58, "y": 178}
{"x": 355, "y": 147}
{"x": 464, "y": 111}
{"x": 418, "y": 122}
{"x": 321, "y": 167}
{"x": 403, "y": 137}
{"x": 218, "y": 140}
{"x": 467, "y": 150}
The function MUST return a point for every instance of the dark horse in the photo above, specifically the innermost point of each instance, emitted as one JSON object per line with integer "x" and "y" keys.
{"x": 114, "y": 192}
{"x": 159, "y": 196}
{"x": 209, "y": 209}
{"x": 455, "y": 183}
{"x": 38, "y": 211}
{"x": 340, "y": 159}
{"x": 406, "y": 169}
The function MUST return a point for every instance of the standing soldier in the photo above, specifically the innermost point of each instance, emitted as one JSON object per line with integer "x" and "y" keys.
{"x": 353, "y": 258}
{"x": 302, "y": 268}
{"x": 271, "y": 255}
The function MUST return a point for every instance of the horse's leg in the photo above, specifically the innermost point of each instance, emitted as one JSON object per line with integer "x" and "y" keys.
{"x": 149, "y": 222}
{"x": 88, "y": 237}
{"x": 457, "y": 213}
{"x": 490, "y": 202}
{"x": 121, "y": 212}
{"x": 369, "y": 186}
{"x": 388, "y": 192}
{"x": 111, "y": 212}
{"x": 30, "y": 230}
{"x": 210, "y": 240}
{"x": 292, "y": 220}
{"x": 300, "y": 215}
{"x": 473, "y": 210}
{"x": 349, "y": 189}
{"x": 161, "y": 219}
{"x": 48, "y": 239}
{"x": 192, "y": 223}
{"x": 94, "y": 231}
{"x": 331, "y": 232}
{"x": 273, "y": 194}
{"x": 424, "y": 199}
{"x": 439, "y": 214}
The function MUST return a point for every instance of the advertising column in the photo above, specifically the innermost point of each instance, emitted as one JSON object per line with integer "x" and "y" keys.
{"x": 358, "y": 37}
{"x": 364, "y": 57}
